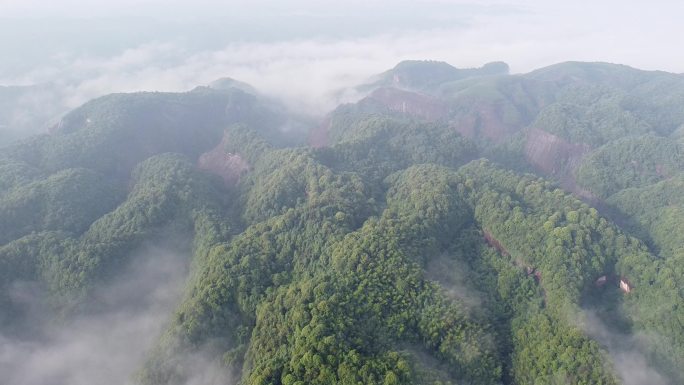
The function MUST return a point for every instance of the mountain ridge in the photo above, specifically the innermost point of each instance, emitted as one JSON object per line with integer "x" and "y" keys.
{"x": 453, "y": 226}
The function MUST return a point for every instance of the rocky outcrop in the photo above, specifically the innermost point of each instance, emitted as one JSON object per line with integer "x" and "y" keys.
{"x": 484, "y": 121}
{"x": 625, "y": 286}
{"x": 556, "y": 157}
{"x": 493, "y": 242}
{"x": 319, "y": 136}
{"x": 553, "y": 155}
{"x": 229, "y": 166}
{"x": 411, "y": 103}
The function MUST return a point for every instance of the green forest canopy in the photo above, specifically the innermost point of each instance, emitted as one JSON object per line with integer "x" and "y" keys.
{"x": 409, "y": 248}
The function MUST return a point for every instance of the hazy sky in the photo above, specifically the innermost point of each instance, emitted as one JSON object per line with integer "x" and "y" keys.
{"x": 303, "y": 49}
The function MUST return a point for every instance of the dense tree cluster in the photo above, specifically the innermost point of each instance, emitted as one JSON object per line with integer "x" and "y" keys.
{"x": 394, "y": 253}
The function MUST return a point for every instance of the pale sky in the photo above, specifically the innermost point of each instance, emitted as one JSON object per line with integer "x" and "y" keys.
{"x": 304, "y": 49}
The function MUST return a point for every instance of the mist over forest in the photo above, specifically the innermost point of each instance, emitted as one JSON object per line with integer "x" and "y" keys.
{"x": 432, "y": 192}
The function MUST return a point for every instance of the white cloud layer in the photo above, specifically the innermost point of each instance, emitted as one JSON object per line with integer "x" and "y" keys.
{"x": 108, "y": 346}
{"x": 626, "y": 352}
{"x": 306, "y": 72}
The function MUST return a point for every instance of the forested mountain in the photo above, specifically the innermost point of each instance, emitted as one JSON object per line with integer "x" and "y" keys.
{"x": 453, "y": 226}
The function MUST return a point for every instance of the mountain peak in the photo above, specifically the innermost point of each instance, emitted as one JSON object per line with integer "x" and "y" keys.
{"x": 227, "y": 83}
{"x": 426, "y": 75}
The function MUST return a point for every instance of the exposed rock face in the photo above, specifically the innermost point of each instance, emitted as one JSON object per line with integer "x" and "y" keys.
{"x": 555, "y": 156}
{"x": 56, "y": 128}
{"x": 411, "y": 103}
{"x": 601, "y": 281}
{"x": 230, "y": 167}
{"x": 551, "y": 154}
{"x": 493, "y": 242}
{"x": 319, "y": 136}
{"x": 484, "y": 122}
{"x": 625, "y": 286}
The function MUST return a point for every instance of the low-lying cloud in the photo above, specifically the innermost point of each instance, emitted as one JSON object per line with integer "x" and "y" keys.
{"x": 626, "y": 352}
{"x": 308, "y": 73}
{"x": 108, "y": 345}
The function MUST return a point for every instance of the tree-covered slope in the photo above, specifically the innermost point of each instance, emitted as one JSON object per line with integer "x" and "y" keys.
{"x": 77, "y": 202}
{"x": 434, "y": 232}
{"x": 636, "y": 161}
